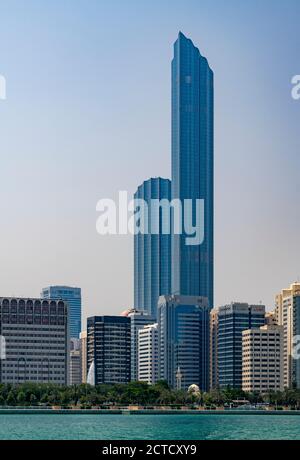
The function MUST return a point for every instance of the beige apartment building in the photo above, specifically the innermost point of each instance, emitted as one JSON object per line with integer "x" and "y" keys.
{"x": 287, "y": 312}
{"x": 262, "y": 359}
{"x": 83, "y": 355}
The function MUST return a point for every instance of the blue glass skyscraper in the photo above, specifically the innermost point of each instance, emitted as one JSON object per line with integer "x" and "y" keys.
{"x": 192, "y": 165}
{"x": 152, "y": 252}
{"x": 233, "y": 319}
{"x": 183, "y": 325}
{"x": 71, "y": 295}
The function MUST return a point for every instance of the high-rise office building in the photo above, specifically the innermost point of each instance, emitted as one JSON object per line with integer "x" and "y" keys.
{"x": 148, "y": 354}
{"x": 213, "y": 349}
{"x": 183, "y": 325}
{"x": 83, "y": 355}
{"x": 152, "y": 249}
{"x": 233, "y": 319}
{"x": 287, "y": 314}
{"x": 138, "y": 319}
{"x": 36, "y": 341}
{"x": 108, "y": 349}
{"x": 262, "y": 360}
{"x": 192, "y": 166}
{"x": 72, "y": 295}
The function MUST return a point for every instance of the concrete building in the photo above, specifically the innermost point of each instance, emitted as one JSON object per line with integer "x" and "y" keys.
{"x": 287, "y": 312}
{"x": 36, "y": 341}
{"x": 108, "y": 349}
{"x": 233, "y": 319}
{"x": 213, "y": 349}
{"x": 262, "y": 360}
{"x": 75, "y": 362}
{"x": 148, "y": 354}
{"x": 138, "y": 319}
{"x": 183, "y": 325}
{"x": 83, "y": 355}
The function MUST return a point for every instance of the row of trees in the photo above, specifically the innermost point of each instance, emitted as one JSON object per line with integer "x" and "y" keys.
{"x": 30, "y": 394}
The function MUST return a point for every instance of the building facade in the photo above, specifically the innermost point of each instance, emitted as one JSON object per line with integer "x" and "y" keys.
{"x": 287, "y": 314}
{"x": 262, "y": 361}
{"x": 36, "y": 341}
{"x": 148, "y": 354}
{"x": 152, "y": 249}
{"x": 108, "y": 349}
{"x": 138, "y": 319}
{"x": 183, "y": 325}
{"x": 72, "y": 295}
{"x": 193, "y": 166}
{"x": 83, "y": 356}
{"x": 213, "y": 349}
{"x": 233, "y": 319}
{"x": 75, "y": 362}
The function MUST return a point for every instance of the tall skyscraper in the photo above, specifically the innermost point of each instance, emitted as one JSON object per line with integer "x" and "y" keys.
{"x": 108, "y": 349}
{"x": 138, "y": 319}
{"x": 36, "y": 341}
{"x": 152, "y": 251}
{"x": 287, "y": 314}
{"x": 233, "y": 319}
{"x": 193, "y": 165}
{"x": 72, "y": 295}
{"x": 183, "y": 327}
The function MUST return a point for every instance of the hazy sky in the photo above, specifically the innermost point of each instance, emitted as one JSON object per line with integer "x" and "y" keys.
{"x": 88, "y": 114}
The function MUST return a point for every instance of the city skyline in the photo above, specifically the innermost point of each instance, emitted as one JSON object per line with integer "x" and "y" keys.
{"x": 256, "y": 139}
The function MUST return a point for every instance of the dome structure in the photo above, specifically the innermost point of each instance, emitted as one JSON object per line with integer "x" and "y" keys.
{"x": 194, "y": 389}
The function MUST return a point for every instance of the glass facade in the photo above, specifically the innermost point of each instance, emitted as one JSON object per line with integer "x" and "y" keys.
{"x": 192, "y": 165}
{"x": 152, "y": 252}
{"x": 233, "y": 319}
{"x": 108, "y": 349}
{"x": 183, "y": 325}
{"x": 71, "y": 295}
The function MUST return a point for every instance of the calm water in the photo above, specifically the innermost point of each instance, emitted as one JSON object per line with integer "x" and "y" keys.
{"x": 55, "y": 426}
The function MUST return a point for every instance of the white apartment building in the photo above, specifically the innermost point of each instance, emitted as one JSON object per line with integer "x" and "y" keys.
{"x": 262, "y": 359}
{"x": 148, "y": 354}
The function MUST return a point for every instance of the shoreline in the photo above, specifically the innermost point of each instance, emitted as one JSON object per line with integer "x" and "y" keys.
{"x": 31, "y": 411}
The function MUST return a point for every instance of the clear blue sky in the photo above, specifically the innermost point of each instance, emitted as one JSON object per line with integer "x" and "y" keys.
{"x": 88, "y": 114}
